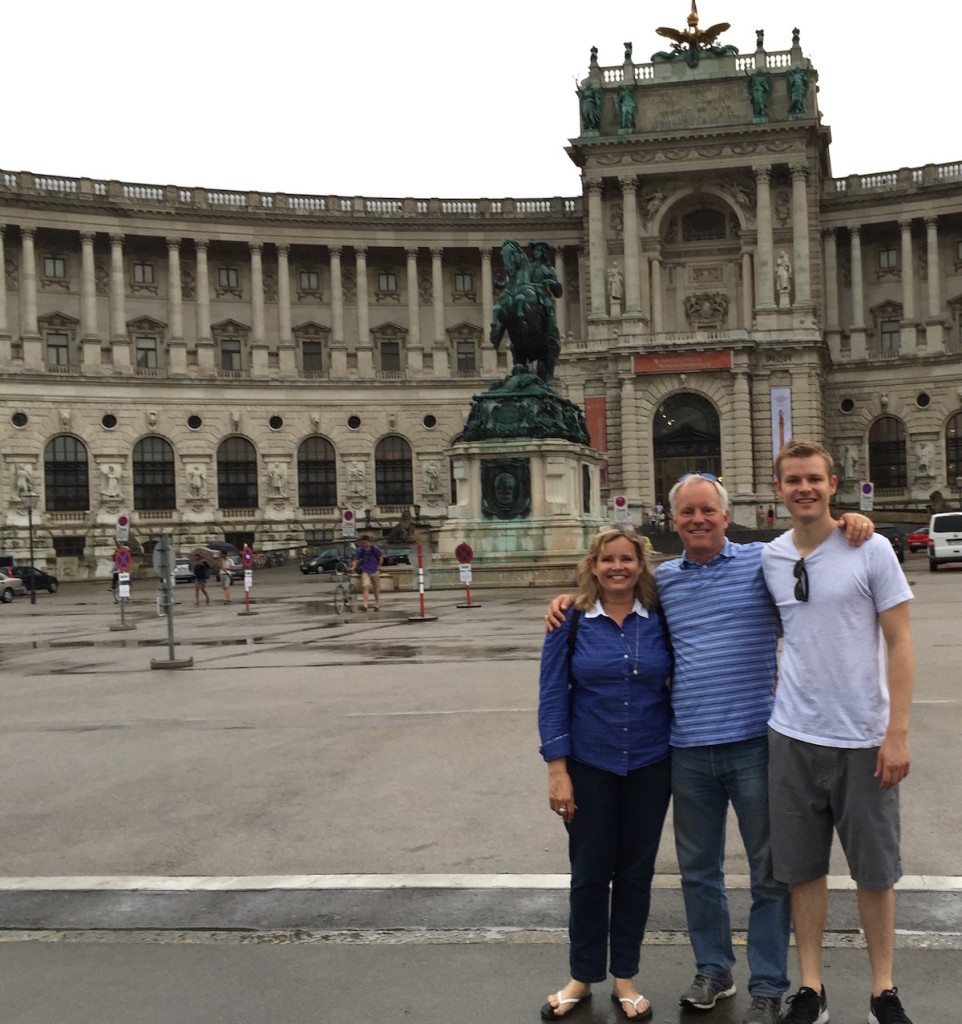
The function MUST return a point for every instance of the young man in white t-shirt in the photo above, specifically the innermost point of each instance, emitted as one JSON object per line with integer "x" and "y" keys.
{"x": 838, "y": 735}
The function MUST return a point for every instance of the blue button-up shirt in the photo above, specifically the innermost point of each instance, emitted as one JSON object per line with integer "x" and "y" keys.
{"x": 614, "y": 711}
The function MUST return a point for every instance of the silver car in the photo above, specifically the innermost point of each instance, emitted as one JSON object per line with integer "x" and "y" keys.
{"x": 10, "y": 587}
{"x": 183, "y": 571}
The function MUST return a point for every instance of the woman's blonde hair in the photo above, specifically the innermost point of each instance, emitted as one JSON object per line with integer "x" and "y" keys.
{"x": 589, "y": 590}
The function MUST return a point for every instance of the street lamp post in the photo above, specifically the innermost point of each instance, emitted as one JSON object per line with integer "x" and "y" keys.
{"x": 958, "y": 484}
{"x": 30, "y": 499}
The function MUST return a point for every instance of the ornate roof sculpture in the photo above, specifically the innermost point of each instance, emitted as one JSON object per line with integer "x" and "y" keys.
{"x": 692, "y": 42}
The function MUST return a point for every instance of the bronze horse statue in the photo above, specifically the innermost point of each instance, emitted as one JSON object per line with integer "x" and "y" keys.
{"x": 525, "y": 308}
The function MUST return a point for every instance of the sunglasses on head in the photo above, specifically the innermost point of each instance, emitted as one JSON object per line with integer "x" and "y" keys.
{"x": 801, "y": 580}
{"x": 705, "y": 476}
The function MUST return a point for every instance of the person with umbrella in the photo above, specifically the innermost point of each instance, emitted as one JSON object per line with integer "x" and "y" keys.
{"x": 201, "y": 573}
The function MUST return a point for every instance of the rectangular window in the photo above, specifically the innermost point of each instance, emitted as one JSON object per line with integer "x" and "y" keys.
{"x": 230, "y": 354}
{"x": 390, "y": 357}
{"x": 227, "y": 277}
{"x": 467, "y": 360}
{"x": 890, "y": 336}
{"x": 68, "y": 547}
{"x": 310, "y": 282}
{"x": 57, "y": 350}
{"x": 386, "y": 281}
{"x": 463, "y": 282}
{"x": 958, "y": 250}
{"x": 143, "y": 273}
{"x": 55, "y": 267}
{"x": 311, "y": 355}
{"x": 888, "y": 259}
{"x": 146, "y": 346}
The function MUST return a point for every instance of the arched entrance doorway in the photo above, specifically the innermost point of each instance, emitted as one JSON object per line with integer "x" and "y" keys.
{"x": 687, "y": 439}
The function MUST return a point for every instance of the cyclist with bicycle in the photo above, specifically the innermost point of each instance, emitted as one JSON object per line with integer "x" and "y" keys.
{"x": 370, "y": 557}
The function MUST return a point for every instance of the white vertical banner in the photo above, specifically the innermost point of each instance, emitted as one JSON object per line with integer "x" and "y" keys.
{"x": 781, "y": 403}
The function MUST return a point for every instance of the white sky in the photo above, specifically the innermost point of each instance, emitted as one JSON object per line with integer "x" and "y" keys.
{"x": 423, "y": 98}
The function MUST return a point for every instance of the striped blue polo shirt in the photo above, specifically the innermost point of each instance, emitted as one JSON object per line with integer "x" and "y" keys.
{"x": 724, "y": 628}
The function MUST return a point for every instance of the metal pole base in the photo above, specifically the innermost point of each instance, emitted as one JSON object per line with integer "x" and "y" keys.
{"x": 474, "y": 604}
{"x": 172, "y": 663}
{"x": 125, "y": 625}
{"x": 422, "y": 618}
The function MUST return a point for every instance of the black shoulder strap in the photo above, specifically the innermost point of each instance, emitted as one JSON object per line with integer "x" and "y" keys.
{"x": 573, "y": 634}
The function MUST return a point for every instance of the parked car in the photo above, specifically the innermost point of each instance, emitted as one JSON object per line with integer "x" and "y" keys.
{"x": 183, "y": 571}
{"x": 918, "y": 539}
{"x": 945, "y": 539}
{"x": 10, "y": 586}
{"x": 41, "y": 580}
{"x": 326, "y": 560}
{"x": 895, "y": 535}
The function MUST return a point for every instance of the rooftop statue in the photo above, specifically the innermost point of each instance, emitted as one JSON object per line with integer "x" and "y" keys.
{"x": 692, "y": 42}
{"x": 525, "y": 307}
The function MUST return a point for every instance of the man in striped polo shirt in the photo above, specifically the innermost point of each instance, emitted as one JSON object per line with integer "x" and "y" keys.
{"x": 724, "y": 629}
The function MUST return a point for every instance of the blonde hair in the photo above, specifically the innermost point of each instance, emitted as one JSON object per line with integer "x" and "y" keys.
{"x": 589, "y": 589}
{"x": 803, "y": 450}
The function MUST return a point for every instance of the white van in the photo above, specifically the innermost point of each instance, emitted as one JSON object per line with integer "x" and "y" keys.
{"x": 945, "y": 539}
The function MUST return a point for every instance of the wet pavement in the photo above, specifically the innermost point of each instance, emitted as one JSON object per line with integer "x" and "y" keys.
{"x": 340, "y": 819}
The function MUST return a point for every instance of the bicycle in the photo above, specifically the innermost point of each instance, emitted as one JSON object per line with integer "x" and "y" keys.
{"x": 345, "y": 591}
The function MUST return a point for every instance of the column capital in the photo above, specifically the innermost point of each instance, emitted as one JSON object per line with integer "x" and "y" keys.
{"x": 905, "y": 224}
{"x": 360, "y": 252}
{"x": 411, "y": 252}
{"x": 594, "y": 185}
{"x": 87, "y": 237}
{"x": 335, "y": 251}
{"x": 855, "y": 230}
{"x": 283, "y": 249}
{"x": 28, "y": 233}
{"x": 256, "y": 248}
{"x": 437, "y": 252}
{"x": 763, "y": 175}
{"x": 485, "y": 252}
{"x": 828, "y": 233}
{"x": 173, "y": 243}
{"x": 931, "y": 221}
{"x": 116, "y": 239}
{"x": 628, "y": 183}
{"x": 799, "y": 171}
{"x": 201, "y": 245}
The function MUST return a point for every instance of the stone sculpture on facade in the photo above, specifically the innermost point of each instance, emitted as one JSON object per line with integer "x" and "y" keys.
{"x": 761, "y": 85}
{"x": 923, "y": 457}
{"x": 783, "y": 277}
{"x": 590, "y": 101}
{"x": 796, "y": 81}
{"x": 277, "y": 480}
{"x": 110, "y": 489}
{"x": 616, "y": 284}
{"x": 22, "y": 480}
{"x": 850, "y": 462}
{"x": 196, "y": 481}
{"x": 627, "y": 106}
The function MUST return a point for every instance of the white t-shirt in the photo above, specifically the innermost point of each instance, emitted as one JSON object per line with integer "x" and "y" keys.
{"x": 832, "y": 689}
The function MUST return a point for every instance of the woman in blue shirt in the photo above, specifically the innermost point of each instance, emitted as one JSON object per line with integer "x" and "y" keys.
{"x": 604, "y": 716}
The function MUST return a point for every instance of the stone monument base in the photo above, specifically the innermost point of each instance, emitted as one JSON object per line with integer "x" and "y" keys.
{"x": 528, "y": 509}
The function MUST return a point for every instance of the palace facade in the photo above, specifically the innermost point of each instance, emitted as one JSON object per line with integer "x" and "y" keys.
{"x": 251, "y": 365}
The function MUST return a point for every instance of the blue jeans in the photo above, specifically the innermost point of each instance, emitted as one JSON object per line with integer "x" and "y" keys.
{"x": 612, "y": 842}
{"x": 704, "y": 780}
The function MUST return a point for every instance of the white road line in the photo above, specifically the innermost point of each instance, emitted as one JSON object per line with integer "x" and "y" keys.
{"x": 248, "y": 883}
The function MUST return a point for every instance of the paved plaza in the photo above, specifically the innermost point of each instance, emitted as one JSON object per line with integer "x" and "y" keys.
{"x": 346, "y": 819}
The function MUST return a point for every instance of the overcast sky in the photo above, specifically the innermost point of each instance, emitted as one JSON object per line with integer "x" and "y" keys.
{"x": 422, "y": 98}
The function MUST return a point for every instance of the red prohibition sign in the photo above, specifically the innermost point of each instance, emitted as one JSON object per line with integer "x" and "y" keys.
{"x": 122, "y": 559}
{"x": 463, "y": 553}
{"x": 247, "y": 557}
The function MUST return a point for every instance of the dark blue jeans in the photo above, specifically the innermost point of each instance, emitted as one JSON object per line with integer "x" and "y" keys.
{"x": 612, "y": 842}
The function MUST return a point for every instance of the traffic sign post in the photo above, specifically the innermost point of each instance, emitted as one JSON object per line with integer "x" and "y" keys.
{"x": 123, "y": 528}
{"x": 164, "y": 562}
{"x": 422, "y": 617}
{"x": 348, "y": 524}
{"x": 622, "y": 515}
{"x": 464, "y": 554}
{"x": 122, "y": 563}
{"x": 866, "y": 496}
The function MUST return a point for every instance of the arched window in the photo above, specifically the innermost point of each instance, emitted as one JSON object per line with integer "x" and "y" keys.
{"x": 687, "y": 439}
{"x": 393, "y": 472}
{"x": 953, "y": 449}
{"x": 316, "y": 474}
{"x": 236, "y": 474}
{"x": 154, "y": 486}
{"x": 887, "y": 465}
{"x": 703, "y": 225}
{"x": 66, "y": 485}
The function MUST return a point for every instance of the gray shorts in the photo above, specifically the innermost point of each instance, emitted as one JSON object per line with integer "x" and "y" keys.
{"x": 813, "y": 789}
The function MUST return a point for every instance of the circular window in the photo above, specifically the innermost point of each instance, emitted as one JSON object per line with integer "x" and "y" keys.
{"x": 430, "y": 421}
{"x": 847, "y": 405}
{"x": 354, "y": 422}
{"x": 275, "y": 422}
{"x": 108, "y": 421}
{"x": 923, "y": 400}
{"x": 19, "y": 419}
{"x": 194, "y": 422}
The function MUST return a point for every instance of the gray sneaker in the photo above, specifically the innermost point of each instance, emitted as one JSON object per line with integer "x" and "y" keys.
{"x": 705, "y": 992}
{"x": 764, "y": 1010}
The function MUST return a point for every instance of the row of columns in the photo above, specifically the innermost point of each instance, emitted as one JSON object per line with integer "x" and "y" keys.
{"x": 90, "y": 335}
{"x": 859, "y": 330}
{"x": 642, "y": 267}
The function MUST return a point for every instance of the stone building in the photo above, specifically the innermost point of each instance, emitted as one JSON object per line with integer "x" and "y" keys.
{"x": 249, "y": 365}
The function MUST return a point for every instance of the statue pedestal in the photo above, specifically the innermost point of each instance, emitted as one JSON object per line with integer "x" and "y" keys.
{"x": 527, "y": 507}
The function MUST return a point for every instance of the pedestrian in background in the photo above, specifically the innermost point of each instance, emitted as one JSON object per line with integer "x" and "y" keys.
{"x": 201, "y": 573}
{"x": 226, "y": 577}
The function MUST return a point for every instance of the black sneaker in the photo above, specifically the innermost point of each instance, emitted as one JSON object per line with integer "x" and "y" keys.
{"x": 806, "y": 1007}
{"x": 887, "y": 1009}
